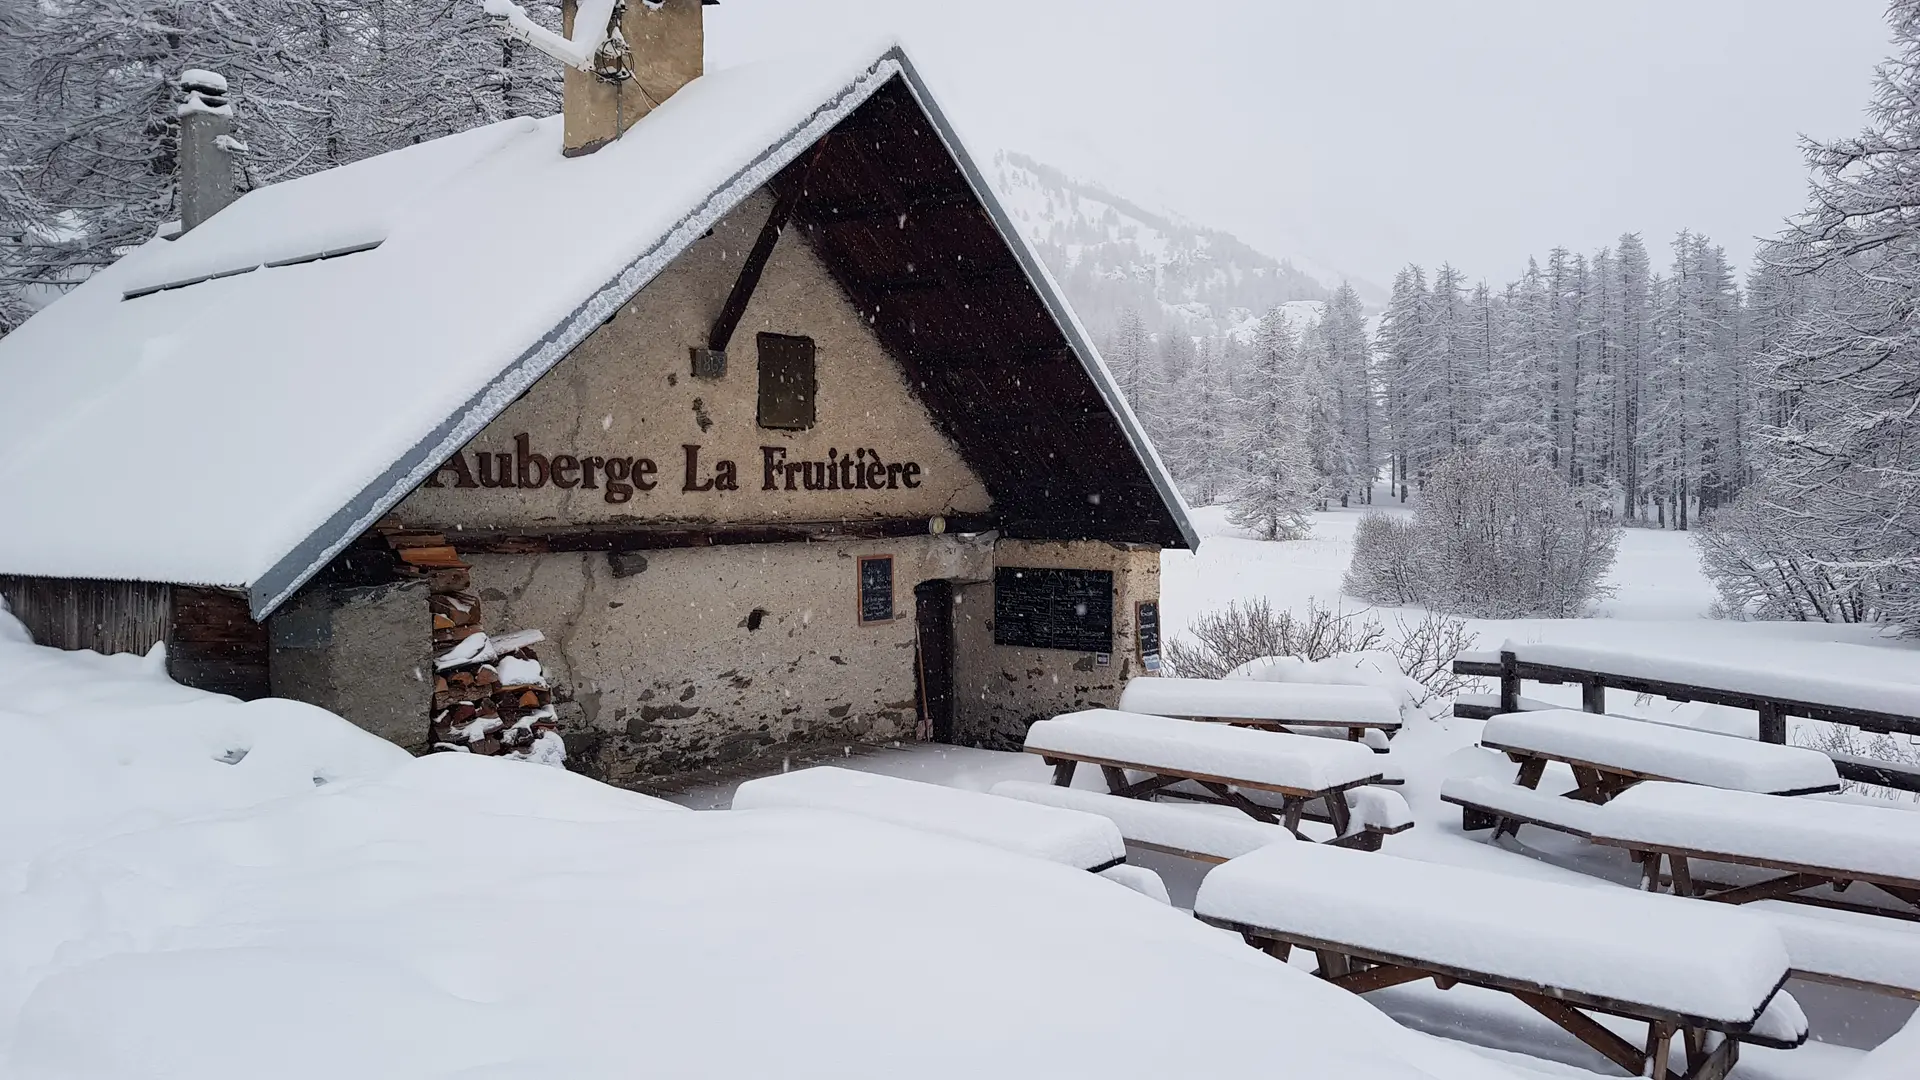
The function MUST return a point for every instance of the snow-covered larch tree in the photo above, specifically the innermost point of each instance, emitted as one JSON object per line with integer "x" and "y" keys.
{"x": 1280, "y": 483}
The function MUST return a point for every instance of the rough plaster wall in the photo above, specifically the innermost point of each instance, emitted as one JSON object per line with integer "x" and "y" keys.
{"x": 1002, "y": 690}
{"x": 627, "y": 392}
{"x": 658, "y": 652}
{"x": 365, "y": 653}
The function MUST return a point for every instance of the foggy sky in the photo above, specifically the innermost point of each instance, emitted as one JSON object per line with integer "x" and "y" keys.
{"x": 1367, "y": 135}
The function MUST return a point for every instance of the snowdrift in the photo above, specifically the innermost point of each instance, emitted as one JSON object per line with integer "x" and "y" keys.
{"x": 194, "y": 886}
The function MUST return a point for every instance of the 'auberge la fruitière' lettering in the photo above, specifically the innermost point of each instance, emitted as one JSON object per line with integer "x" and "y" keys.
{"x": 618, "y": 478}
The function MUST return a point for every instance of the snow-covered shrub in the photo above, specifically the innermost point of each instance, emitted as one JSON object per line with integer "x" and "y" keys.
{"x": 1242, "y": 637}
{"x": 1390, "y": 571}
{"x": 1224, "y": 640}
{"x": 1839, "y": 740}
{"x": 1496, "y": 535}
{"x": 1768, "y": 565}
{"x": 1426, "y": 652}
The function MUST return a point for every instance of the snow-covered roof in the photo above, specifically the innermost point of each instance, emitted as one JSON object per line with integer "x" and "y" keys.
{"x": 234, "y": 406}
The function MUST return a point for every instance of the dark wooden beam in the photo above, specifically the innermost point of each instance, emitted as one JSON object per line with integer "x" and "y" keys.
{"x": 713, "y": 363}
{"x": 1589, "y": 1031}
{"x": 645, "y": 538}
{"x": 1379, "y": 977}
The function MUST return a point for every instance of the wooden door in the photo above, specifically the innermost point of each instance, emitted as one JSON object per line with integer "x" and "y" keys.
{"x": 933, "y": 613}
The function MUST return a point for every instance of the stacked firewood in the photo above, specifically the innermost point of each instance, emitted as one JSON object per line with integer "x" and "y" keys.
{"x": 490, "y": 694}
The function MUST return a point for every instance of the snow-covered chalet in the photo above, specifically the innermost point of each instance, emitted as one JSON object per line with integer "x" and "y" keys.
{"x": 739, "y": 388}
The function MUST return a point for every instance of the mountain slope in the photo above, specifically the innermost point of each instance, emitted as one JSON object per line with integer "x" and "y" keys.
{"x": 1109, "y": 254}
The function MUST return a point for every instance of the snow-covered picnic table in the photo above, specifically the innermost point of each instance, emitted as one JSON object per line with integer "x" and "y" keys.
{"x": 1812, "y": 842}
{"x": 1223, "y": 762}
{"x": 1609, "y": 754}
{"x": 1774, "y": 687}
{"x": 1375, "y": 921}
{"x": 1080, "y": 840}
{"x": 1353, "y": 709}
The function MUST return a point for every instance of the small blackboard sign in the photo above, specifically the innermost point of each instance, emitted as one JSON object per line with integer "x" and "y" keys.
{"x": 1146, "y": 622}
{"x": 876, "y": 589}
{"x": 1046, "y": 608}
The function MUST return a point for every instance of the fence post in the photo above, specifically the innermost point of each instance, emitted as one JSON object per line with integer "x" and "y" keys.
{"x": 1593, "y": 696}
{"x": 1509, "y": 682}
{"x": 1773, "y": 724}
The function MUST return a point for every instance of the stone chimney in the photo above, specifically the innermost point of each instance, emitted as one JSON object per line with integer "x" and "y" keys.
{"x": 207, "y": 146}
{"x": 660, "y": 48}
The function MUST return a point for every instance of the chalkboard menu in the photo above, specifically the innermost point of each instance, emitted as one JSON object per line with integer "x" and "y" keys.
{"x": 1038, "y": 608}
{"x": 1146, "y": 620}
{"x": 876, "y": 589}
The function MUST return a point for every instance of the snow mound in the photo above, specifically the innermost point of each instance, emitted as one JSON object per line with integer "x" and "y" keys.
{"x": 193, "y": 886}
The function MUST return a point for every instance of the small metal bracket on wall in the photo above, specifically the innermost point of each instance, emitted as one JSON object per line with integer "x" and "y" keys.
{"x": 709, "y": 363}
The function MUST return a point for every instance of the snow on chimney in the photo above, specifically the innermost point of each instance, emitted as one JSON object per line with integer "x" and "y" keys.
{"x": 648, "y": 49}
{"x": 623, "y": 58}
{"x": 207, "y": 146}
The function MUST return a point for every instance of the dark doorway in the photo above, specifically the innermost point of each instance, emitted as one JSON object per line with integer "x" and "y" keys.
{"x": 933, "y": 657}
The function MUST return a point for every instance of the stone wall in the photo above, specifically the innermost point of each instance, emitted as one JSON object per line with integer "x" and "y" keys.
{"x": 365, "y": 653}
{"x": 684, "y": 657}
{"x": 1001, "y": 689}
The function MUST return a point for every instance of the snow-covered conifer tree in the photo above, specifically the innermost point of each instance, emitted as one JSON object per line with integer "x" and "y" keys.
{"x": 1280, "y": 482}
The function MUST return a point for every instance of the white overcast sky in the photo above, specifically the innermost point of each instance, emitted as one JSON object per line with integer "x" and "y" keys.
{"x": 1365, "y": 135}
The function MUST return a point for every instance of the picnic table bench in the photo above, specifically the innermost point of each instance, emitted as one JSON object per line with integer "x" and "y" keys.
{"x": 1609, "y": 754}
{"x": 1197, "y": 832}
{"x": 1810, "y": 842}
{"x": 1227, "y": 763}
{"x": 1713, "y": 976}
{"x": 1355, "y": 710}
{"x": 1870, "y": 705}
{"x": 1080, "y": 840}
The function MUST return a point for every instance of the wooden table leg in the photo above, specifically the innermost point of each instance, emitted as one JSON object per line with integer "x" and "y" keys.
{"x": 1530, "y": 772}
{"x": 1063, "y": 771}
{"x": 1682, "y": 875}
{"x": 1116, "y": 778}
{"x": 1338, "y": 812}
{"x": 1659, "y": 1048}
{"x": 1650, "y": 871}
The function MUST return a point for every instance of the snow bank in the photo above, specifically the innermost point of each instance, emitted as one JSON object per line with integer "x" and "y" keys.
{"x": 165, "y": 913}
{"x": 1655, "y": 749}
{"x": 102, "y": 745}
{"x": 1268, "y": 758}
{"x": 1894, "y": 1059}
{"x": 1615, "y": 942}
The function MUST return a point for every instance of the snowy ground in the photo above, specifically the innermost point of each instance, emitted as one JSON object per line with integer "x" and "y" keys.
{"x": 1661, "y": 598}
{"x": 192, "y": 886}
